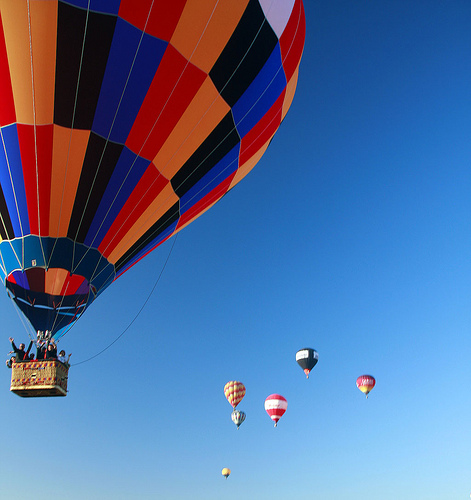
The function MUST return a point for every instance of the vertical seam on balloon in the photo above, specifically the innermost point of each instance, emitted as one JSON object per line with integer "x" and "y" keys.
{"x": 109, "y": 133}
{"x": 1, "y": 215}
{"x": 20, "y": 261}
{"x": 233, "y": 129}
{"x": 276, "y": 74}
{"x": 220, "y": 173}
{"x": 161, "y": 173}
{"x": 280, "y": 69}
{"x": 262, "y": 94}
{"x": 107, "y": 139}
{"x": 34, "y": 127}
{"x": 73, "y": 116}
{"x": 70, "y": 135}
{"x": 12, "y": 183}
{"x": 227, "y": 82}
{"x": 69, "y": 148}
{"x": 68, "y": 158}
{"x": 272, "y": 80}
{"x": 150, "y": 132}
{"x": 35, "y": 136}
{"x": 293, "y": 38}
{"x": 72, "y": 124}
{"x": 94, "y": 276}
{"x": 134, "y": 230}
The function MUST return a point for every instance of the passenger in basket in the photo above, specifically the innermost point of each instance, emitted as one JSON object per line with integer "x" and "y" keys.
{"x": 11, "y": 361}
{"x": 40, "y": 346}
{"x": 27, "y": 354}
{"x": 40, "y": 351}
{"x": 51, "y": 353}
{"x": 63, "y": 359}
{"x": 21, "y": 354}
{"x": 54, "y": 347}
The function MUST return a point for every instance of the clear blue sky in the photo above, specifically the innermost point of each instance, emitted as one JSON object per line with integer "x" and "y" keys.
{"x": 352, "y": 236}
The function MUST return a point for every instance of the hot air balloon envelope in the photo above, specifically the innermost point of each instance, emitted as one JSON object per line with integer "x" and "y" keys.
{"x": 120, "y": 125}
{"x": 275, "y": 406}
{"x": 365, "y": 383}
{"x": 238, "y": 417}
{"x": 226, "y": 472}
{"x": 234, "y": 392}
{"x": 307, "y": 359}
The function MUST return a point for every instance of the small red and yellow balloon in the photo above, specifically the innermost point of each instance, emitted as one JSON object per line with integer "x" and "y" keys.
{"x": 366, "y": 383}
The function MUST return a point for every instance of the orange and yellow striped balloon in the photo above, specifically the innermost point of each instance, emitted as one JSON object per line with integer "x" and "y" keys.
{"x": 234, "y": 392}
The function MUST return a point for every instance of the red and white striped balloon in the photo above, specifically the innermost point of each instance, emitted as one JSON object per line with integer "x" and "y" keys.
{"x": 275, "y": 406}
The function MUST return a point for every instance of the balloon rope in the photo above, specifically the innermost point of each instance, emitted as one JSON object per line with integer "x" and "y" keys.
{"x": 138, "y": 312}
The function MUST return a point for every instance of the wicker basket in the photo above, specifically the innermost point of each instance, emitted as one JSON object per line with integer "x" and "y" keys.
{"x": 32, "y": 379}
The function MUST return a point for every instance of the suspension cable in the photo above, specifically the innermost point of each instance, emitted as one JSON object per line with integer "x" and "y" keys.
{"x": 138, "y": 312}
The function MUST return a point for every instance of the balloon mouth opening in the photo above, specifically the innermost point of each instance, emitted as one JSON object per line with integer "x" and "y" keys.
{"x": 52, "y": 298}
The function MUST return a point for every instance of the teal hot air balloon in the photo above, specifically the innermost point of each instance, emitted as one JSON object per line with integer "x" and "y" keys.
{"x": 120, "y": 126}
{"x": 238, "y": 417}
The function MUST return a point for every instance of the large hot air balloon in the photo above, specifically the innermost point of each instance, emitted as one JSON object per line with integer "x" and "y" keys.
{"x": 121, "y": 122}
{"x": 226, "y": 472}
{"x": 307, "y": 359}
{"x": 238, "y": 417}
{"x": 275, "y": 406}
{"x": 366, "y": 383}
{"x": 234, "y": 392}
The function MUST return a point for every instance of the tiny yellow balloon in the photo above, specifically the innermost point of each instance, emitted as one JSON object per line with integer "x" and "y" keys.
{"x": 225, "y": 472}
